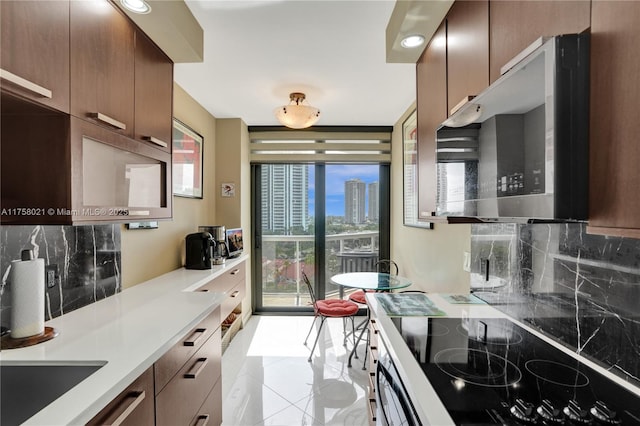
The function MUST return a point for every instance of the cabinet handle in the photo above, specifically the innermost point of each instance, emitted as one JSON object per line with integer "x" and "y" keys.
{"x": 137, "y": 398}
{"x": 25, "y": 84}
{"x": 202, "y": 420}
{"x": 192, "y": 342}
{"x": 234, "y": 272}
{"x": 427, "y": 214}
{"x": 155, "y": 141}
{"x": 108, "y": 120}
{"x": 235, "y": 293}
{"x": 191, "y": 374}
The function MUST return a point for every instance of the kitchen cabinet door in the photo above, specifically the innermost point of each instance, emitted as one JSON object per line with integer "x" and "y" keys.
{"x": 153, "y": 94}
{"x": 614, "y": 125}
{"x": 514, "y": 25}
{"x": 431, "y": 100}
{"x": 35, "y": 51}
{"x": 102, "y": 65}
{"x": 467, "y": 49}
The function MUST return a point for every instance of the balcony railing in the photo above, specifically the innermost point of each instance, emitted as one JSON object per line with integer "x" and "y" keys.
{"x": 285, "y": 256}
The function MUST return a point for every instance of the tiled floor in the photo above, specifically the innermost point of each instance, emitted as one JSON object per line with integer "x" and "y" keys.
{"x": 267, "y": 379}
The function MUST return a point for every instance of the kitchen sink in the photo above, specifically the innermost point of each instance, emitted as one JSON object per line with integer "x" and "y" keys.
{"x": 28, "y": 387}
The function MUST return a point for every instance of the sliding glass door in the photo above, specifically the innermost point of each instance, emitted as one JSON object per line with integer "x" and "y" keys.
{"x": 317, "y": 218}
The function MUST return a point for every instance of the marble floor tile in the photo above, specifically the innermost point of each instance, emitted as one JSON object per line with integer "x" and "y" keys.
{"x": 267, "y": 379}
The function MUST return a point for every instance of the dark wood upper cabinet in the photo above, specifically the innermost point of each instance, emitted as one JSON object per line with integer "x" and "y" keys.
{"x": 517, "y": 24}
{"x": 614, "y": 124}
{"x": 467, "y": 50}
{"x": 431, "y": 101}
{"x": 102, "y": 65}
{"x": 35, "y": 51}
{"x": 153, "y": 94}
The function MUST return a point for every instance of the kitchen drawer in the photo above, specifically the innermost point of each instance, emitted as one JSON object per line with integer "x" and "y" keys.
{"x": 133, "y": 407}
{"x": 373, "y": 333}
{"x": 179, "y": 402}
{"x": 210, "y": 414}
{"x": 226, "y": 281}
{"x": 372, "y": 408}
{"x": 172, "y": 361}
{"x": 234, "y": 298}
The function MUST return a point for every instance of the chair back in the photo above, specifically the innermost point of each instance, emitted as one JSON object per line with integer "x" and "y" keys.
{"x": 387, "y": 266}
{"x": 309, "y": 287}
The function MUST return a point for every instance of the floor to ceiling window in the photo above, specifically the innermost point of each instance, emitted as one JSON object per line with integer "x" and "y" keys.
{"x": 317, "y": 216}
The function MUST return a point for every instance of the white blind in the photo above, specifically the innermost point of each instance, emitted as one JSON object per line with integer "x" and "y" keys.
{"x": 320, "y": 146}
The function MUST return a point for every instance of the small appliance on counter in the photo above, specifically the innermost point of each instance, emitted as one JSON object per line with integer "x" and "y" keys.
{"x": 220, "y": 252}
{"x": 199, "y": 250}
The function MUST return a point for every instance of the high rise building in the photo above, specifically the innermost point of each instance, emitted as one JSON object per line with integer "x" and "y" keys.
{"x": 285, "y": 197}
{"x": 374, "y": 208}
{"x": 354, "y": 201}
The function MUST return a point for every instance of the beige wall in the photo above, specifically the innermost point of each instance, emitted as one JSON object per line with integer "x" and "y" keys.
{"x": 432, "y": 259}
{"x": 232, "y": 166}
{"x": 149, "y": 253}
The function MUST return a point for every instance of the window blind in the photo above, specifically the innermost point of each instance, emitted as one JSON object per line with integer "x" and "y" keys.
{"x": 310, "y": 146}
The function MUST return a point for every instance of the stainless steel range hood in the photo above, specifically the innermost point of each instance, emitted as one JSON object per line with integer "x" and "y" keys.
{"x": 518, "y": 152}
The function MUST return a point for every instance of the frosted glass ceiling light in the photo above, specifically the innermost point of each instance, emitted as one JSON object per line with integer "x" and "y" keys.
{"x": 412, "y": 41}
{"x": 137, "y": 6}
{"x": 296, "y": 115}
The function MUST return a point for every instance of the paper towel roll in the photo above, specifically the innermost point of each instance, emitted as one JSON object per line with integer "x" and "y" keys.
{"x": 27, "y": 297}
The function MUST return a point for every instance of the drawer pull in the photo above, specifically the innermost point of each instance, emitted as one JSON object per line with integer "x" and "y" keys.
{"x": 234, "y": 272}
{"x": 202, "y": 420}
{"x": 198, "y": 366}
{"x": 136, "y": 398}
{"x": 25, "y": 84}
{"x": 192, "y": 342}
{"x": 235, "y": 293}
{"x": 204, "y": 290}
{"x": 155, "y": 141}
{"x": 108, "y": 120}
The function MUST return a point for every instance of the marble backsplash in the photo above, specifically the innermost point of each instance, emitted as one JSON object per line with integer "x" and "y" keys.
{"x": 581, "y": 289}
{"x": 86, "y": 260}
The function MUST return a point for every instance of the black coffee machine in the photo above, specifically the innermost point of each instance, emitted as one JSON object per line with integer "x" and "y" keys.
{"x": 199, "y": 250}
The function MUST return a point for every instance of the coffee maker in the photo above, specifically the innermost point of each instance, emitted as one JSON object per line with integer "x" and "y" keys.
{"x": 220, "y": 252}
{"x": 199, "y": 250}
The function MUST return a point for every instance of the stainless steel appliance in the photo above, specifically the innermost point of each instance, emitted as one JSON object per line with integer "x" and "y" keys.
{"x": 220, "y": 250}
{"x": 394, "y": 407}
{"x": 518, "y": 151}
{"x": 199, "y": 250}
{"x": 493, "y": 371}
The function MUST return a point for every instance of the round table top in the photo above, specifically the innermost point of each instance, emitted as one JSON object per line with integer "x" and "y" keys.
{"x": 370, "y": 281}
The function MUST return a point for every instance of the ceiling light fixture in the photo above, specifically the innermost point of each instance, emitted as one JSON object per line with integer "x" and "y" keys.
{"x": 411, "y": 41}
{"x": 296, "y": 115}
{"x": 136, "y": 6}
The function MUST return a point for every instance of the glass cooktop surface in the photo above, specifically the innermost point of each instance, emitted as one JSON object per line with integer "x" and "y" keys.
{"x": 492, "y": 371}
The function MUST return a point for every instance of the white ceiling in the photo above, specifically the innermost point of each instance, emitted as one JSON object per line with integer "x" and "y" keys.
{"x": 257, "y": 52}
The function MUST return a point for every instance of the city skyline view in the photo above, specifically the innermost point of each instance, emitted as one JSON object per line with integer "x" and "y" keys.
{"x": 336, "y": 175}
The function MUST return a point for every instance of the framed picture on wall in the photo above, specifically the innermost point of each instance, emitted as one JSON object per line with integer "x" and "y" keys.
{"x": 187, "y": 161}
{"x": 410, "y": 172}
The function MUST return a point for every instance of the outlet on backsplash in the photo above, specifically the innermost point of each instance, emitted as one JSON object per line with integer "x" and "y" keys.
{"x": 51, "y": 275}
{"x": 466, "y": 262}
{"x": 484, "y": 268}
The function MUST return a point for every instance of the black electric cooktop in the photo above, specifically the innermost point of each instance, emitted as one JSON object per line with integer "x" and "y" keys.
{"x": 492, "y": 371}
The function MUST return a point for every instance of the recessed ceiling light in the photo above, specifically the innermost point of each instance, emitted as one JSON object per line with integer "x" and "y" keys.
{"x": 412, "y": 41}
{"x": 136, "y": 6}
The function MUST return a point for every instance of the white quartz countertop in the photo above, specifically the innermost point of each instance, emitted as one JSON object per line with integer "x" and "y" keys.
{"x": 427, "y": 403}
{"x": 128, "y": 331}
